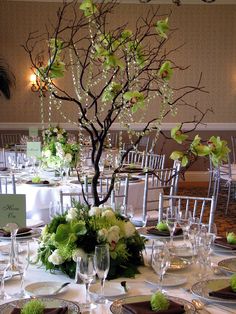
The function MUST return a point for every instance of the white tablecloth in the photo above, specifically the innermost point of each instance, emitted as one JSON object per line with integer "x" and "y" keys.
{"x": 137, "y": 286}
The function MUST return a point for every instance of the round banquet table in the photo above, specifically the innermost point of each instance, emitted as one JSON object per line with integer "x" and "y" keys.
{"x": 137, "y": 286}
{"x": 39, "y": 197}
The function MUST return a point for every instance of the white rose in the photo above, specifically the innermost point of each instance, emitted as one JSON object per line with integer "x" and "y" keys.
{"x": 108, "y": 213}
{"x": 68, "y": 158}
{"x": 55, "y": 258}
{"x": 113, "y": 234}
{"x": 72, "y": 214}
{"x": 78, "y": 253}
{"x": 55, "y": 130}
{"x": 95, "y": 211}
{"x": 102, "y": 234}
{"x": 59, "y": 136}
{"x": 129, "y": 229}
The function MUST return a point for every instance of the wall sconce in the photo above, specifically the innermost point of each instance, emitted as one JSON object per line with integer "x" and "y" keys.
{"x": 38, "y": 85}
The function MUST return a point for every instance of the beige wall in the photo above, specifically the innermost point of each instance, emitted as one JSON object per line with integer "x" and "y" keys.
{"x": 208, "y": 31}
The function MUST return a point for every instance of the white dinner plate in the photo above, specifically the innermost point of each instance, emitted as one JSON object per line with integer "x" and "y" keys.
{"x": 201, "y": 289}
{"x": 116, "y": 307}
{"x": 73, "y": 308}
{"x": 169, "y": 280}
{"x": 44, "y": 288}
{"x": 112, "y": 290}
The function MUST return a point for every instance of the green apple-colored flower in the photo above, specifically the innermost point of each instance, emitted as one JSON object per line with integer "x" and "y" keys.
{"x": 165, "y": 71}
{"x": 159, "y": 302}
{"x": 231, "y": 238}
{"x": 233, "y": 282}
{"x": 136, "y": 100}
{"x": 88, "y": 7}
{"x": 162, "y": 27}
{"x": 178, "y": 135}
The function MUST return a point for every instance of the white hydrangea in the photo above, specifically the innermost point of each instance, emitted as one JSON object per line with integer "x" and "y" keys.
{"x": 71, "y": 214}
{"x": 108, "y": 213}
{"x": 113, "y": 234}
{"x": 78, "y": 253}
{"x": 95, "y": 211}
{"x": 129, "y": 229}
{"x": 55, "y": 258}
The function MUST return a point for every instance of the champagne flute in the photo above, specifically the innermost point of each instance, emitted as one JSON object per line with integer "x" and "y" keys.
{"x": 3, "y": 268}
{"x": 85, "y": 270}
{"x": 102, "y": 265}
{"x": 171, "y": 221}
{"x": 160, "y": 260}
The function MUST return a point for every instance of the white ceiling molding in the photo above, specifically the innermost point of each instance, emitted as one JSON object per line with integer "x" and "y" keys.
{"x": 151, "y": 1}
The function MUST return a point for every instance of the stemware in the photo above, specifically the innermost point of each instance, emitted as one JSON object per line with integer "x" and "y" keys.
{"x": 102, "y": 265}
{"x": 160, "y": 260}
{"x": 3, "y": 268}
{"x": 85, "y": 270}
{"x": 184, "y": 221}
{"x": 171, "y": 221}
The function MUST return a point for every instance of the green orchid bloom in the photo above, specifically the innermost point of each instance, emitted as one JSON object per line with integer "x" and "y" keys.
{"x": 177, "y": 135}
{"x": 197, "y": 148}
{"x": 162, "y": 27}
{"x": 88, "y": 7}
{"x": 165, "y": 71}
{"x": 111, "y": 91}
{"x": 218, "y": 150}
{"x": 181, "y": 156}
{"x": 136, "y": 100}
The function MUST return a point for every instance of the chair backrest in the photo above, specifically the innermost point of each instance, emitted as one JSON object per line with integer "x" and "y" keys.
{"x": 10, "y": 139}
{"x": 119, "y": 192}
{"x": 155, "y": 183}
{"x": 154, "y": 161}
{"x": 197, "y": 205}
{"x": 7, "y": 184}
{"x": 233, "y": 145}
{"x": 134, "y": 157}
{"x": 143, "y": 144}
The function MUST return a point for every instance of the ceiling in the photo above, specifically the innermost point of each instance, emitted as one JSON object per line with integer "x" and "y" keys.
{"x": 153, "y": 1}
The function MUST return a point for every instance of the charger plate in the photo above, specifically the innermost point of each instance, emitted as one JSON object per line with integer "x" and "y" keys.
{"x": 116, "y": 307}
{"x": 228, "y": 265}
{"x": 201, "y": 289}
{"x": 73, "y": 308}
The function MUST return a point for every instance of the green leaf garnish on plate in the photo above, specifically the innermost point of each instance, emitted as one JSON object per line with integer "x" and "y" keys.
{"x": 33, "y": 307}
{"x": 159, "y": 302}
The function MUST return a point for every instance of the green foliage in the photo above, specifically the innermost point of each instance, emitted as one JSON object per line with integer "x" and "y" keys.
{"x": 33, "y": 307}
{"x": 159, "y": 302}
{"x": 36, "y": 179}
{"x": 162, "y": 27}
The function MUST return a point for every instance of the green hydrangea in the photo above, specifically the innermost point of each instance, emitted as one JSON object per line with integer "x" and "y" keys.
{"x": 162, "y": 226}
{"x": 233, "y": 282}
{"x": 159, "y": 302}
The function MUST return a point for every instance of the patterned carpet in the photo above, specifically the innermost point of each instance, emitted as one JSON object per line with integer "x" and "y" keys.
{"x": 224, "y": 223}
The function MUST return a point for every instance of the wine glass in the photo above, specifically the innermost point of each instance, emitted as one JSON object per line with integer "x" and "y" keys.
{"x": 3, "y": 268}
{"x": 160, "y": 260}
{"x": 85, "y": 270}
{"x": 102, "y": 265}
{"x": 171, "y": 221}
{"x": 184, "y": 222}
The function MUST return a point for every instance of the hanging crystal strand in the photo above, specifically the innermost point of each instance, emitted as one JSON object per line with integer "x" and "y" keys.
{"x": 50, "y": 105}
{"x": 42, "y": 109}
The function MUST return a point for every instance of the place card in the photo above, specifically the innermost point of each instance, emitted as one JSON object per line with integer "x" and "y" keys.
{"x": 13, "y": 209}
{"x": 34, "y": 149}
{"x": 33, "y": 132}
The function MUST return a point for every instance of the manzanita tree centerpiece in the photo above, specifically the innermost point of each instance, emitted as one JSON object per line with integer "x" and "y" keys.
{"x": 116, "y": 73}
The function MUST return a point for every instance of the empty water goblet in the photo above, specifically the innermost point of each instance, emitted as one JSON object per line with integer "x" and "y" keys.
{"x": 160, "y": 260}
{"x": 102, "y": 265}
{"x": 85, "y": 270}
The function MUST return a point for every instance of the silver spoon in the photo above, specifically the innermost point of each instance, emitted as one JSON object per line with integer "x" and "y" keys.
{"x": 61, "y": 287}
